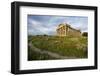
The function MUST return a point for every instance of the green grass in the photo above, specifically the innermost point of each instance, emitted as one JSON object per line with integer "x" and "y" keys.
{"x": 32, "y": 55}
{"x": 65, "y": 46}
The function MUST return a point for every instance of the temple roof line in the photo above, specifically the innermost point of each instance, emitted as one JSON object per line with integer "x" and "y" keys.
{"x": 65, "y": 24}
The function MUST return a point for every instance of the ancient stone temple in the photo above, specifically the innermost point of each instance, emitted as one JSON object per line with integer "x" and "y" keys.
{"x": 67, "y": 30}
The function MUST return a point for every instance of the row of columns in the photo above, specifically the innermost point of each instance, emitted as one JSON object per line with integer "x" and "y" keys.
{"x": 61, "y": 31}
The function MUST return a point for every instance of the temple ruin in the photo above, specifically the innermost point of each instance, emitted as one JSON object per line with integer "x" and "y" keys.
{"x": 67, "y": 30}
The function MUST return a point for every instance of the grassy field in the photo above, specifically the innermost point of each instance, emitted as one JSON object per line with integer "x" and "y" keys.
{"x": 75, "y": 47}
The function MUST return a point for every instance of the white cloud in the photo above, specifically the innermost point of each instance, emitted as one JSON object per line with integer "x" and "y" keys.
{"x": 38, "y": 28}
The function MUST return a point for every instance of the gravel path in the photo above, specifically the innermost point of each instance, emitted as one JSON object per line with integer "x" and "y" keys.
{"x": 55, "y": 55}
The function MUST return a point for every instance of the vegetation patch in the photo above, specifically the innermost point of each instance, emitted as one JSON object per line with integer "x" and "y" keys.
{"x": 75, "y": 47}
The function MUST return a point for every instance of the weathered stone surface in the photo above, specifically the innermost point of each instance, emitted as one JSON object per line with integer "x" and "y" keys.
{"x": 67, "y": 30}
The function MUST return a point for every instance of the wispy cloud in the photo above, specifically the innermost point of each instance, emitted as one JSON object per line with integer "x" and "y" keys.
{"x": 38, "y": 24}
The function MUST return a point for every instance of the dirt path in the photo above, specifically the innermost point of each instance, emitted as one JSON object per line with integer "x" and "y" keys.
{"x": 55, "y": 55}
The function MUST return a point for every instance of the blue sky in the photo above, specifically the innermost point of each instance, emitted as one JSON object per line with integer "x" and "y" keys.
{"x": 46, "y": 24}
